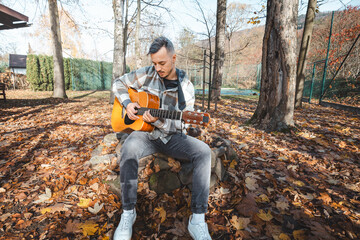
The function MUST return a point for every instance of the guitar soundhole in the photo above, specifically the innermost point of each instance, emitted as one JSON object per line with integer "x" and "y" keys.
{"x": 128, "y": 121}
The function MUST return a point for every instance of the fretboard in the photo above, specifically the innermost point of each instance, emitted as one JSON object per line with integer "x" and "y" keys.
{"x": 160, "y": 113}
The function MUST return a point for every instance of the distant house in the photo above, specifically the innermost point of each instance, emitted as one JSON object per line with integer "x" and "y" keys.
{"x": 17, "y": 63}
{"x": 11, "y": 19}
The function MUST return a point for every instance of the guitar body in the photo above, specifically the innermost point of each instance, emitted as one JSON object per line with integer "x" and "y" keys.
{"x": 120, "y": 122}
{"x": 119, "y": 119}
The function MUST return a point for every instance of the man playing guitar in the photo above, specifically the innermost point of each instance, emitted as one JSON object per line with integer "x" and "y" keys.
{"x": 175, "y": 92}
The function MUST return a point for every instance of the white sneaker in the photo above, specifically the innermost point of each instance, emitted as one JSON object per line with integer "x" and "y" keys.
{"x": 199, "y": 231}
{"x": 124, "y": 230}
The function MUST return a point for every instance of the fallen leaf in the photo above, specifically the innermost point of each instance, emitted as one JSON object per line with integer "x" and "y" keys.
{"x": 44, "y": 197}
{"x": 95, "y": 187}
{"x": 224, "y": 190}
{"x": 308, "y": 196}
{"x": 239, "y": 223}
{"x": 111, "y": 214}
{"x": 321, "y": 142}
{"x": 96, "y": 208}
{"x": 157, "y": 167}
{"x": 300, "y": 235}
{"x": 89, "y": 228}
{"x": 260, "y": 159}
{"x": 262, "y": 199}
{"x": 266, "y": 216}
{"x": 284, "y": 236}
{"x": 179, "y": 229}
{"x": 111, "y": 177}
{"x": 45, "y": 210}
{"x": 21, "y": 196}
{"x": 325, "y": 198}
{"x": 251, "y": 183}
{"x": 27, "y": 215}
{"x": 299, "y": 183}
{"x": 84, "y": 202}
{"x": 282, "y": 205}
{"x": 5, "y": 216}
{"x": 233, "y": 164}
{"x": 162, "y": 213}
{"x": 71, "y": 227}
{"x": 175, "y": 165}
{"x": 103, "y": 229}
{"x": 333, "y": 181}
{"x": 83, "y": 181}
{"x": 247, "y": 207}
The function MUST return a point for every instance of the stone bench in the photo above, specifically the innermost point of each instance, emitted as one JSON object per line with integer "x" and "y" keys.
{"x": 170, "y": 174}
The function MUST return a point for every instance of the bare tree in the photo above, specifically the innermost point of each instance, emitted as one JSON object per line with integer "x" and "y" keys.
{"x": 235, "y": 20}
{"x": 275, "y": 109}
{"x": 219, "y": 47}
{"x": 119, "y": 64}
{"x": 137, "y": 21}
{"x": 186, "y": 44}
{"x": 137, "y": 33}
{"x": 59, "y": 80}
{"x": 304, "y": 49}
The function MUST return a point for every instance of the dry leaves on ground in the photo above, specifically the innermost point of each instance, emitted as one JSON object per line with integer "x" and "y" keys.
{"x": 298, "y": 185}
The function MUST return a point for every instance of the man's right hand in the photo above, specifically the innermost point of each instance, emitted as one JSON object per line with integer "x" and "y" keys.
{"x": 131, "y": 110}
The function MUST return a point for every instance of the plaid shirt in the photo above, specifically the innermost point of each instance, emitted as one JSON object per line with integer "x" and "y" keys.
{"x": 146, "y": 79}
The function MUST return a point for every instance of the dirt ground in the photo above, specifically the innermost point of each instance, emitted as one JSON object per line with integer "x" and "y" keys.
{"x": 303, "y": 184}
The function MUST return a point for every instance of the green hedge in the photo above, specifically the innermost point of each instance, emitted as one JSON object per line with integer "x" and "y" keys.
{"x": 80, "y": 74}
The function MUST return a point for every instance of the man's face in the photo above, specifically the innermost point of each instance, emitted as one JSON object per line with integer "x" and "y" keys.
{"x": 164, "y": 62}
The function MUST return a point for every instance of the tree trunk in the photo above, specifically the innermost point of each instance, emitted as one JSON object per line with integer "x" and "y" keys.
{"x": 275, "y": 109}
{"x": 137, "y": 33}
{"x": 118, "y": 57}
{"x": 125, "y": 34}
{"x": 219, "y": 47}
{"x": 59, "y": 79}
{"x": 304, "y": 49}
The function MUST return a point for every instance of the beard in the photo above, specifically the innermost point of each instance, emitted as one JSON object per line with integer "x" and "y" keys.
{"x": 161, "y": 73}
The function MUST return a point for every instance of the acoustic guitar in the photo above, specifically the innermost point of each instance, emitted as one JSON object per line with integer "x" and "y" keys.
{"x": 120, "y": 122}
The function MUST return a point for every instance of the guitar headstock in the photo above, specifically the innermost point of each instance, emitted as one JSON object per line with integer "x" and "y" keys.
{"x": 199, "y": 118}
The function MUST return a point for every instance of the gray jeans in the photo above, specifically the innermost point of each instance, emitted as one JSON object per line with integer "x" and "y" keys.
{"x": 138, "y": 145}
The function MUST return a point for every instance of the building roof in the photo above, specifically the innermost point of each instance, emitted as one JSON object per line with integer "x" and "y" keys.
{"x": 17, "y": 61}
{"x": 10, "y": 19}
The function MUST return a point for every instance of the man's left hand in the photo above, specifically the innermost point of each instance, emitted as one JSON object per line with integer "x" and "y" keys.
{"x": 148, "y": 118}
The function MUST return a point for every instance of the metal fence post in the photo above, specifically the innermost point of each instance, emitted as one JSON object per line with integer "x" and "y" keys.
{"x": 326, "y": 59}
{"x": 210, "y": 82}
{"x": 72, "y": 76}
{"x": 312, "y": 82}
{"x": 203, "y": 94}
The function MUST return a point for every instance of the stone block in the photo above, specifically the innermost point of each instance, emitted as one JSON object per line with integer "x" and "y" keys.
{"x": 163, "y": 164}
{"x": 110, "y": 139}
{"x": 213, "y": 182}
{"x": 105, "y": 159}
{"x": 186, "y": 172}
{"x": 219, "y": 169}
{"x": 114, "y": 186}
{"x": 164, "y": 182}
{"x": 97, "y": 151}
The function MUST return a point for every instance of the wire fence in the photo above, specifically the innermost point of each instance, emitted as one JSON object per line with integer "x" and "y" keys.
{"x": 240, "y": 76}
{"x": 342, "y": 79}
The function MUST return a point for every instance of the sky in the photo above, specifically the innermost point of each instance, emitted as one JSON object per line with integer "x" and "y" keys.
{"x": 93, "y": 14}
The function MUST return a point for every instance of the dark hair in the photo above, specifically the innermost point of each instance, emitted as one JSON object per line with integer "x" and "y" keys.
{"x": 159, "y": 43}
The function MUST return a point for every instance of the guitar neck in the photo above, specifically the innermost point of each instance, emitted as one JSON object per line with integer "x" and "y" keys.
{"x": 161, "y": 113}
